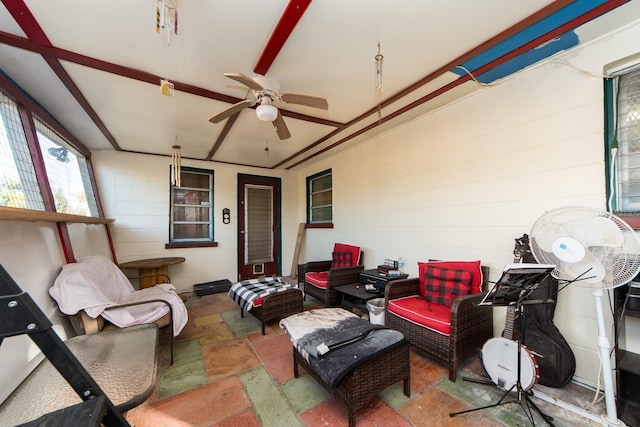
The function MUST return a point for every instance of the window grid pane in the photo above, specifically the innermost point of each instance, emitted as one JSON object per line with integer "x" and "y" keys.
{"x": 18, "y": 182}
{"x": 63, "y": 165}
{"x": 628, "y": 125}
{"x": 88, "y": 189}
{"x": 321, "y": 214}
{"x": 191, "y": 214}
{"x": 320, "y": 198}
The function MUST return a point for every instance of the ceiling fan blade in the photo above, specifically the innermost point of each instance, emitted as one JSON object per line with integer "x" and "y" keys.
{"x": 231, "y": 110}
{"x": 281, "y": 127}
{"x": 309, "y": 101}
{"x": 245, "y": 80}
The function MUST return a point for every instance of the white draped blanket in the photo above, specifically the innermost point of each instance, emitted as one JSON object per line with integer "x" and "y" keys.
{"x": 95, "y": 283}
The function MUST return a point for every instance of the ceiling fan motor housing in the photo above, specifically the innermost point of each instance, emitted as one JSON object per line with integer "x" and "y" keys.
{"x": 271, "y": 87}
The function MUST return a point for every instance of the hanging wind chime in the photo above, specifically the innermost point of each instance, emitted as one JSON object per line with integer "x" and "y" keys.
{"x": 167, "y": 18}
{"x": 167, "y": 22}
{"x": 379, "y": 81}
{"x": 175, "y": 164}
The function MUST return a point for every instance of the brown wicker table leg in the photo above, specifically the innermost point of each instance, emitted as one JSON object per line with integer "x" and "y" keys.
{"x": 278, "y": 305}
{"x": 359, "y": 387}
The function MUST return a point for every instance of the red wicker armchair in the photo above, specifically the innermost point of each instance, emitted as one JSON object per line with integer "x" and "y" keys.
{"x": 322, "y": 277}
{"x": 471, "y": 326}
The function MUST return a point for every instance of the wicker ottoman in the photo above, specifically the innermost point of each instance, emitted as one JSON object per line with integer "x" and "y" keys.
{"x": 380, "y": 370}
{"x": 277, "y": 298}
{"x": 277, "y": 306}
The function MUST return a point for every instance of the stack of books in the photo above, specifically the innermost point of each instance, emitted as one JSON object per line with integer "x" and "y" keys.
{"x": 389, "y": 268}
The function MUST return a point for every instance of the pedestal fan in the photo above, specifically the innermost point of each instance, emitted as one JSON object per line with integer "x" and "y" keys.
{"x": 594, "y": 249}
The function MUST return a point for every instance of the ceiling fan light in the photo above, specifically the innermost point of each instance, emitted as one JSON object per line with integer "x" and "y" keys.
{"x": 267, "y": 112}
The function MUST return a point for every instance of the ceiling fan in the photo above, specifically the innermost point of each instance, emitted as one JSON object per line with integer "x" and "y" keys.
{"x": 265, "y": 92}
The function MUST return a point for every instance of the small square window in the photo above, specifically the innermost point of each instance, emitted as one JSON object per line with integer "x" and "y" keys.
{"x": 192, "y": 207}
{"x": 320, "y": 198}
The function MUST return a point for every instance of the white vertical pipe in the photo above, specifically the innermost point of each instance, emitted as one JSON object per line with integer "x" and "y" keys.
{"x": 604, "y": 348}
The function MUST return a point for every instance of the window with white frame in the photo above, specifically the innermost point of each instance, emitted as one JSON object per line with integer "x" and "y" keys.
{"x": 320, "y": 198}
{"x": 192, "y": 207}
{"x": 623, "y": 141}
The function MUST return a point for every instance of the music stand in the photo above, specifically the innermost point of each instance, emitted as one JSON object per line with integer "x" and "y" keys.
{"x": 514, "y": 287}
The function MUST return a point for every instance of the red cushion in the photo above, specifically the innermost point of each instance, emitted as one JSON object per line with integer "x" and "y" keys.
{"x": 258, "y": 301}
{"x": 354, "y": 250}
{"x": 318, "y": 279}
{"x": 443, "y": 285}
{"x": 341, "y": 259}
{"x": 472, "y": 266}
{"x": 417, "y": 310}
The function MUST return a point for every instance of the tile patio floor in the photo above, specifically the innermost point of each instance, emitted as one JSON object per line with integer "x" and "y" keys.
{"x": 226, "y": 373}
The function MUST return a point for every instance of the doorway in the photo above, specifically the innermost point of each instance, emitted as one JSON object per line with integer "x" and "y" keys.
{"x": 258, "y": 226}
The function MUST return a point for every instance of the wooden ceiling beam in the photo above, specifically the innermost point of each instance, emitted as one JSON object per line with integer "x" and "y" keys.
{"x": 25, "y": 19}
{"x": 288, "y": 21}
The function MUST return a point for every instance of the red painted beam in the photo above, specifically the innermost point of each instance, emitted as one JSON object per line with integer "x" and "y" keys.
{"x": 288, "y": 21}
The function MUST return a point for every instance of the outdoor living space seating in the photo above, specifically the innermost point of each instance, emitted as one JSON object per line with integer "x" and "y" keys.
{"x": 97, "y": 295}
{"x": 322, "y": 277}
{"x": 351, "y": 358}
{"x": 438, "y": 313}
{"x": 267, "y": 298}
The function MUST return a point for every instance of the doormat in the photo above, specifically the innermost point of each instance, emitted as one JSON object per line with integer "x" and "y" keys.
{"x": 215, "y": 287}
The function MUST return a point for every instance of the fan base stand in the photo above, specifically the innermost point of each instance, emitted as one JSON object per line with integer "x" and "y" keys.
{"x": 606, "y": 422}
{"x": 602, "y": 419}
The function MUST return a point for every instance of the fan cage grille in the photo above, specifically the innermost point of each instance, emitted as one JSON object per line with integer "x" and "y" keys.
{"x": 620, "y": 262}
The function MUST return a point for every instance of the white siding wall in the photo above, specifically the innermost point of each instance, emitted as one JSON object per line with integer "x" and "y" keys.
{"x": 464, "y": 181}
{"x": 135, "y": 191}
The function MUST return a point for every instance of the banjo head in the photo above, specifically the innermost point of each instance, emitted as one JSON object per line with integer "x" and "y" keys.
{"x": 500, "y": 360}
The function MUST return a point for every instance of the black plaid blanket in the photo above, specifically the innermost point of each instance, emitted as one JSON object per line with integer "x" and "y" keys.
{"x": 246, "y": 292}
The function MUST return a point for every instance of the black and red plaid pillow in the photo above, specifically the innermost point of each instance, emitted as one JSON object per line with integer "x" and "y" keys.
{"x": 443, "y": 285}
{"x": 341, "y": 259}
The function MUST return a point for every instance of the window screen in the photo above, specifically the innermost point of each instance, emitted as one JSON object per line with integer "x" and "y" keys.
{"x": 18, "y": 183}
{"x": 67, "y": 173}
{"x": 627, "y": 161}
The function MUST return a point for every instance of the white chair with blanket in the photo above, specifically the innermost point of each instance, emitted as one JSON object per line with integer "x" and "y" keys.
{"x": 97, "y": 292}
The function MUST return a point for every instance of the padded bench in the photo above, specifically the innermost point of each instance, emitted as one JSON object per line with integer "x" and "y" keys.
{"x": 351, "y": 358}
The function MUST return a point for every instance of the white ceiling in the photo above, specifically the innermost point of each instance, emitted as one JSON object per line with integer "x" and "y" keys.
{"x": 330, "y": 53}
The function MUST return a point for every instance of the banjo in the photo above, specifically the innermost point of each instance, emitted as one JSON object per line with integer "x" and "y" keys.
{"x": 500, "y": 359}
